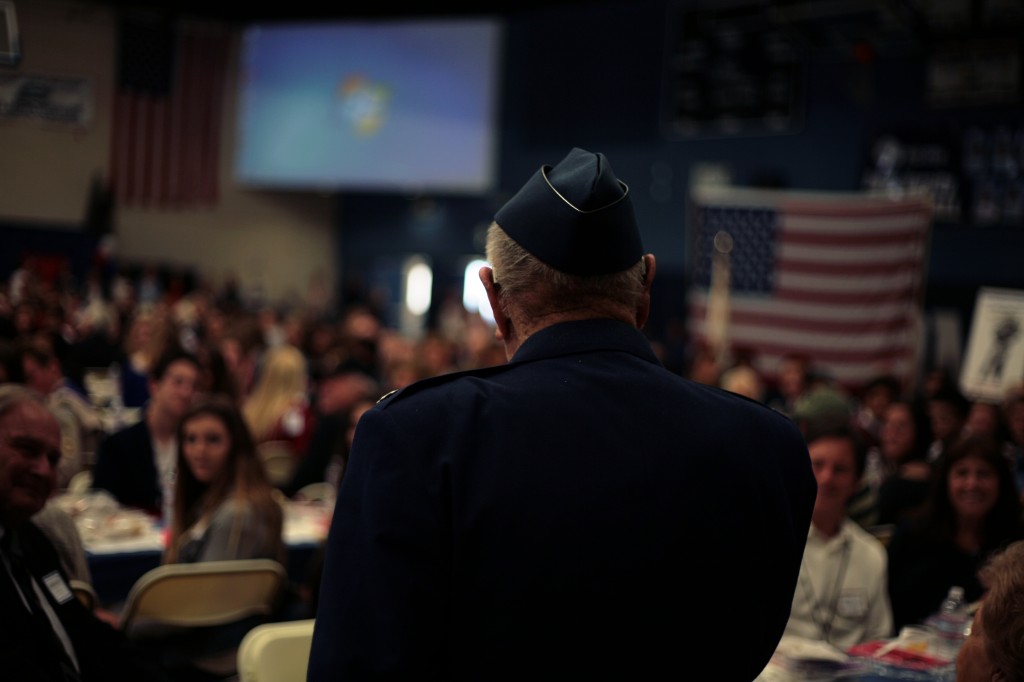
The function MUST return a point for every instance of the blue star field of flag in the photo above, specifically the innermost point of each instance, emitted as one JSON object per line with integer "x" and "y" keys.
{"x": 752, "y": 258}
{"x": 146, "y": 55}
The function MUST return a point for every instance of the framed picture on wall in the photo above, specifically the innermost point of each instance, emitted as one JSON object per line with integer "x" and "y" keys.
{"x": 10, "y": 44}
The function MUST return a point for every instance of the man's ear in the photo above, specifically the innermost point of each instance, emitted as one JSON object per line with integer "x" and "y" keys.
{"x": 643, "y": 309}
{"x": 494, "y": 298}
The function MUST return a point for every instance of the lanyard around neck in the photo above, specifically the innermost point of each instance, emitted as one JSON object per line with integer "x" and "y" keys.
{"x": 825, "y": 625}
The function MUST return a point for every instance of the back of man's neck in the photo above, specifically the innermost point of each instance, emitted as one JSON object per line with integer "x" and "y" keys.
{"x": 525, "y": 326}
{"x": 531, "y": 324}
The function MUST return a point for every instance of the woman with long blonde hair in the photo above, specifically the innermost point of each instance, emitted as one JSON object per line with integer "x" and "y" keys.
{"x": 278, "y": 408}
{"x": 224, "y": 507}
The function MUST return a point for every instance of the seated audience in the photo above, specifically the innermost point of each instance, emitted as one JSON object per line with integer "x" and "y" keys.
{"x": 94, "y": 331}
{"x": 821, "y": 407}
{"x": 972, "y": 510}
{"x": 149, "y": 337}
{"x": 333, "y": 474}
{"x": 947, "y": 412}
{"x": 744, "y": 380}
{"x": 437, "y": 355}
{"x": 224, "y": 508}
{"x": 841, "y": 594}
{"x": 241, "y": 346}
{"x": 338, "y": 394}
{"x": 278, "y": 408}
{"x": 874, "y": 399}
{"x": 794, "y": 378}
{"x": 703, "y": 365}
{"x": 985, "y": 419}
{"x": 45, "y": 633}
{"x": 217, "y": 378}
{"x": 62, "y": 532}
{"x": 935, "y": 380}
{"x": 137, "y": 464}
{"x": 899, "y": 468}
{"x": 80, "y": 424}
{"x": 995, "y": 650}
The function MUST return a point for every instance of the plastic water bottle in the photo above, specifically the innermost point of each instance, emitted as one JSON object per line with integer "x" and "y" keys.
{"x": 950, "y": 623}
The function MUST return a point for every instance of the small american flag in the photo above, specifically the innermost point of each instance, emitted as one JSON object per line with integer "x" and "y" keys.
{"x": 165, "y": 145}
{"x": 836, "y": 277}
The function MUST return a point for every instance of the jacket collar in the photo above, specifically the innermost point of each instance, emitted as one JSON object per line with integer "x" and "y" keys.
{"x": 584, "y": 336}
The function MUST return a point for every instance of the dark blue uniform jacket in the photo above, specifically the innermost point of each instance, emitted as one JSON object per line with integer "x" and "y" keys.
{"x": 580, "y": 513}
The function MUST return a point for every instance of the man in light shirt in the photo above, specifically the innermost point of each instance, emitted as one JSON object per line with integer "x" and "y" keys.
{"x": 841, "y": 595}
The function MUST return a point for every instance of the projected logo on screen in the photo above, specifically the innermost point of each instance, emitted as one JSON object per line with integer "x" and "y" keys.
{"x": 363, "y": 105}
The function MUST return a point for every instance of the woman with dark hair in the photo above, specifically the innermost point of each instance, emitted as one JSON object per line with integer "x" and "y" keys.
{"x": 896, "y": 475}
{"x": 217, "y": 378}
{"x": 972, "y": 511}
{"x": 905, "y": 490}
{"x": 224, "y": 506}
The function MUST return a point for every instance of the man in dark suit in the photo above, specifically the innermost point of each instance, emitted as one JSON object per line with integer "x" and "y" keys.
{"x": 579, "y": 513}
{"x": 45, "y": 633}
{"x": 137, "y": 465}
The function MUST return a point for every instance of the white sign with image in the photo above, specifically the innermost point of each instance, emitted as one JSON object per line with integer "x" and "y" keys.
{"x": 995, "y": 349}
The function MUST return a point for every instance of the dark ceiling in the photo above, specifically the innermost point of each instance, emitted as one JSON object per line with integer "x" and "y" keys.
{"x": 234, "y": 11}
{"x": 822, "y": 20}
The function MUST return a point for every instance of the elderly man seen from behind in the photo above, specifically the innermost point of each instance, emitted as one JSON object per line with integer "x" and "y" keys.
{"x": 578, "y": 513}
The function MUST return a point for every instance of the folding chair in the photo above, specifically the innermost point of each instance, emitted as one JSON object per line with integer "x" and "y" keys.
{"x": 275, "y": 652}
{"x": 316, "y": 492}
{"x": 173, "y": 601}
{"x": 278, "y": 461}
{"x": 85, "y": 594}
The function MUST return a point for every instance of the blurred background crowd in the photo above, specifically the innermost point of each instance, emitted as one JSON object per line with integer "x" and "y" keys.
{"x": 301, "y": 377}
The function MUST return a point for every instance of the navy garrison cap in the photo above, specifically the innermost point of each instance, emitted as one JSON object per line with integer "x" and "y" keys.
{"x": 576, "y": 217}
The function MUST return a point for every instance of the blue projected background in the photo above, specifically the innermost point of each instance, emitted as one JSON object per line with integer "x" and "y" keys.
{"x": 389, "y": 106}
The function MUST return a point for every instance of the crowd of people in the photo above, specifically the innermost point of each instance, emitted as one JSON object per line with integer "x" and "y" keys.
{"x": 196, "y": 385}
{"x": 916, "y": 490}
{"x": 294, "y": 374}
{"x": 928, "y": 483}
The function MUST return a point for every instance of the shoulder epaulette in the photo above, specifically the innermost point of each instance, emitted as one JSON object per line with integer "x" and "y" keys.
{"x": 440, "y": 380}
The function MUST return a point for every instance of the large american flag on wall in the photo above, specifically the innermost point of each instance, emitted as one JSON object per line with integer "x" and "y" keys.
{"x": 836, "y": 277}
{"x": 165, "y": 143}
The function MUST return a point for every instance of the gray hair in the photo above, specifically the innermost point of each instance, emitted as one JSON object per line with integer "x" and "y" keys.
{"x": 538, "y": 289}
{"x": 13, "y": 395}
